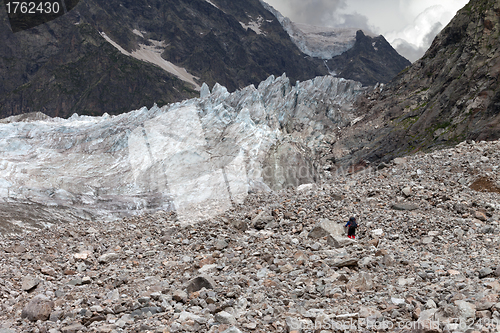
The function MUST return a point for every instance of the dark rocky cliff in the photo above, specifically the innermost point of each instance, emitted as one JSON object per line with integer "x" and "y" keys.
{"x": 370, "y": 61}
{"x": 66, "y": 66}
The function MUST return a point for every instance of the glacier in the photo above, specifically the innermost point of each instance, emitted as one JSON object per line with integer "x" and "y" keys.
{"x": 197, "y": 158}
{"x": 318, "y": 42}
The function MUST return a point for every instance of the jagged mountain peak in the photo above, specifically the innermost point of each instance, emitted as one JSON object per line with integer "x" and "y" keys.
{"x": 371, "y": 60}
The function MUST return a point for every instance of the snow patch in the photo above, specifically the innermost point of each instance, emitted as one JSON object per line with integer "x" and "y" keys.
{"x": 152, "y": 54}
{"x": 210, "y": 2}
{"x": 139, "y": 33}
{"x": 254, "y": 25}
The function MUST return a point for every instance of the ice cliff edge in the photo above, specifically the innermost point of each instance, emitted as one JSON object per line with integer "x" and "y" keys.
{"x": 197, "y": 157}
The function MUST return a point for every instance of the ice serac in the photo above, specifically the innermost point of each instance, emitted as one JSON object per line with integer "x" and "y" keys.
{"x": 198, "y": 157}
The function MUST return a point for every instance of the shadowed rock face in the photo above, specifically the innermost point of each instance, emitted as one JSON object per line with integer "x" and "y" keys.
{"x": 370, "y": 61}
{"x": 67, "y": 66}
{"x": 451, "y": 94}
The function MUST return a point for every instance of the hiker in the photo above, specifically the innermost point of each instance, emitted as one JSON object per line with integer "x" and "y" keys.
{"x": 352, "y": 225}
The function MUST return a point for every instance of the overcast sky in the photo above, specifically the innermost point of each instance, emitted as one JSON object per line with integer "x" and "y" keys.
{"x": 409, "y": 25}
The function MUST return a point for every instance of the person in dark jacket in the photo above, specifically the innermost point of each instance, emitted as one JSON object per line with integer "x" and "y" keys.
{"x": 351, "y": 225}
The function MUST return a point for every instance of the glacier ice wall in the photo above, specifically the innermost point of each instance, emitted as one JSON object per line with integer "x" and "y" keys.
{"x": 197, "y": 157}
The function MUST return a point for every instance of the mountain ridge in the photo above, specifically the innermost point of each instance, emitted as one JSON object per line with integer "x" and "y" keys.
{"x": 66, "y": 66}
{"x": 119, "y": 55}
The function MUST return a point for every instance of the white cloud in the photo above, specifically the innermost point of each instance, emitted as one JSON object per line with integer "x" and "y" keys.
{"x": 409, "y": 25}
{"x": 413, "y": 40}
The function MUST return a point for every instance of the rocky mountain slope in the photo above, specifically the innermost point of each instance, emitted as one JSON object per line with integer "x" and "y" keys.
{"x": 114, "y": 56}
{"x": 450, "y": 95}
{"x": 371, "y": 60}
{"x": 424, "y": 260}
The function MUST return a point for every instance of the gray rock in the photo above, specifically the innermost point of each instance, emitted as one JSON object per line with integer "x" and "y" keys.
{"x": 339, "y": 241}
{"x": 221, "y": 244}
{"x": 15, "y": 249}
{"x": 74, "y": 328}
{"x": 29, "y": 282}
{"x": 185, "y": 316}
{"x": 484, "y": 305}
{"x": 427, "y": 315}
{"x": 224, "y": 317}
{"x": 113, "y": 295}
{"x": 388, "y": 260}
{"x": 39, "y": 308}
{"x": 200, "y": 282}
{"x": 108, "y": 257}
{"x": 146, "y": 311}
{"x": 427, "y": 240}
{"x": 399, "y": 161}
{"x": 382, "y": 166}
{"x": 346, "y": 262}
{"x": 484, "y": 272}
{"x": 48, "y": 271}
{"x": 466, "y": 310}
{"x": 75, "y": 282}
{"x": 241, "y": 225}
{"x": 430, "y": 304}
{"x": 361, "y": 282}
{"x": 404, "y": 206}
{"x": 316, "y": 246}
{"x": 56, "y": 315}
{"x": 144, "y": 299}
{"x": 261, "y": 220}
{"x": 232, "y": 330}
{"x": 407, "y": 191}
{"x": 326, "y": 227}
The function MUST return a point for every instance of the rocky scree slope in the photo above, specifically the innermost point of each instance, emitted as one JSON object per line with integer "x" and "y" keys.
{"x": 425, "y": 249}
{"x": 67, "y": 66}
{"x": 452, "y": 93}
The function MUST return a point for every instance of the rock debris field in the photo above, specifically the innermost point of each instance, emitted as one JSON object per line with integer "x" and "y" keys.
{"x": 425, "y": 259}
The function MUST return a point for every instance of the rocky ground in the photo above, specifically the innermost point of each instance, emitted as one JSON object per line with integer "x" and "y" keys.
{"x": 425, "y": 257}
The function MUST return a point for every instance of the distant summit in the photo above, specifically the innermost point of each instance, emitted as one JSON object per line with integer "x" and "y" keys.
{"x": 371, "y": 60}
{"x": 348, "y": 52}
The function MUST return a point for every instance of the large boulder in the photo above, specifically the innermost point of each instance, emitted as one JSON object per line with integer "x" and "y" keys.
{"x": 339, "y": 241}
{"x": 326, "y": 227}
{"x": 39, "y": 308}
{"x": 199, "y": 283}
